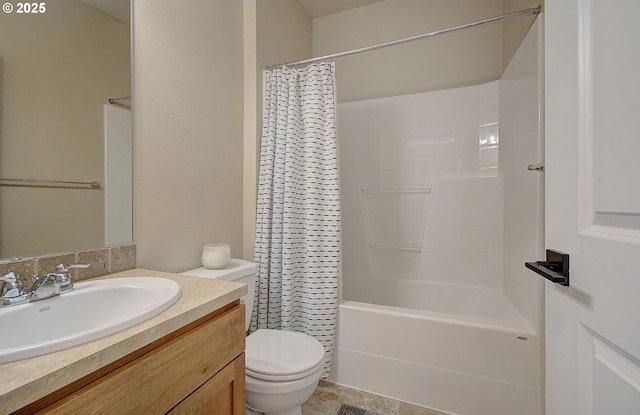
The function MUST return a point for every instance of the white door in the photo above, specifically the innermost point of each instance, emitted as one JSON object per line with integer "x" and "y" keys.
{"x": 592, "y": 197}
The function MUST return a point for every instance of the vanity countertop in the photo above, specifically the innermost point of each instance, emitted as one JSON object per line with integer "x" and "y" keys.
{"x": 28, "y": 380}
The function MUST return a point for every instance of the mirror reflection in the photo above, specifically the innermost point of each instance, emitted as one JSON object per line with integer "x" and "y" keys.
{"x": 59, "y": 67}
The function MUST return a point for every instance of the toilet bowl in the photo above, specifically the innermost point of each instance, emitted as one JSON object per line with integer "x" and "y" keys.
{"x": 283, "y": 368}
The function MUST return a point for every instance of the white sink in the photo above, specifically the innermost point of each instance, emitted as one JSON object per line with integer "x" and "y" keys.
{"x": 94, "y": 309}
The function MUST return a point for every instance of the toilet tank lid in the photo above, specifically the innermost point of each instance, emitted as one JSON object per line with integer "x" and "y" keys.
{"x": 237, "y": 268}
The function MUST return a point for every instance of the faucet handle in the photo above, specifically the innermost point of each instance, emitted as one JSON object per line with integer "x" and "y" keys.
{"x": 62, "y": 268}
{"x": 12, "y": 290}
{"x": 62, "y": 274}
{"x": 12, "y": 285}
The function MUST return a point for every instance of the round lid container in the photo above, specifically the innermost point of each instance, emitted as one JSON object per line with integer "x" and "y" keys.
{"x": 282, "y": 355}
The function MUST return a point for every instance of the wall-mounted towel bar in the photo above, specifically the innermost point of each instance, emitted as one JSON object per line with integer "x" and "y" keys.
{"x": 93, "y": 184}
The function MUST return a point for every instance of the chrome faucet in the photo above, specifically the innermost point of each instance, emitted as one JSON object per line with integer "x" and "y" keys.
{"x": 12, "y": 290}
{"x": 45, "y": 286}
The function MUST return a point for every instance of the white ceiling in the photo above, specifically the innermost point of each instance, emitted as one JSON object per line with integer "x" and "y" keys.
{"x": 320, "y": 8}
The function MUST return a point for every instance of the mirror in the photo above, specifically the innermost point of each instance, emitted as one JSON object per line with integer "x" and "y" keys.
{"x": 61, "y": 61}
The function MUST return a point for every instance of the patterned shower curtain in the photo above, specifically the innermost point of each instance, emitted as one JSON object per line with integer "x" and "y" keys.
{"x": 298, "y": 232}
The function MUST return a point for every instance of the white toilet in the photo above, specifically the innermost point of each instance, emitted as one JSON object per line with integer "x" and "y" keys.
{"x": 282, "y": 367}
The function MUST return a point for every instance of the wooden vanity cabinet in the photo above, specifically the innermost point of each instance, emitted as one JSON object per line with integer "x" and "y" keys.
{"x": 196, "y": 370}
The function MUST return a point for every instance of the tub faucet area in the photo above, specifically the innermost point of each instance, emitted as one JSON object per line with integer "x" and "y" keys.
{"x": 12, "y": 291}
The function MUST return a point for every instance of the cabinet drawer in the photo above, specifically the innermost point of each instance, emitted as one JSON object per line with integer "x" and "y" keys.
{"x": 158, "y": 380}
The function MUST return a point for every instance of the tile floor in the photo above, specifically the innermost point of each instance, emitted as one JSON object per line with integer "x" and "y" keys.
{"x": 328, "y": 397}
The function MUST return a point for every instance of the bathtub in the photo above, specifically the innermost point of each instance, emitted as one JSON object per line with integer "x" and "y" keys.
{"x": 463, "y": 350}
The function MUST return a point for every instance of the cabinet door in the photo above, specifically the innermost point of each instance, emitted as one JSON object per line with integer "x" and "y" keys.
{"x": 223, "y": 394}
{"x": 159, "y": 380}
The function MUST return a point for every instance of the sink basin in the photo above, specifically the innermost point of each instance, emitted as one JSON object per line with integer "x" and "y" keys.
{"x": 94, "y": 309}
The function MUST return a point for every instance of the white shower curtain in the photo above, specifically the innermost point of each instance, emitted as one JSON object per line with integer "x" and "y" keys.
{"x": 298, "y": 232}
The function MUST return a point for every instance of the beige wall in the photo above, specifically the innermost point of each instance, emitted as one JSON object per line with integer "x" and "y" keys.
{"x": 281, "y": 32}
{"x": 250, "y": 131}
{"x": 194, "y": 182}
{"x": 515, "y": 30}
{"x": 188, "y": 129}
{"x": 196, "y": 131}
{"x": 57, "y": 70}
{"x": 456, "y": 59}
{"x": 284, "y": 32}
{"x": 196, "y": 135}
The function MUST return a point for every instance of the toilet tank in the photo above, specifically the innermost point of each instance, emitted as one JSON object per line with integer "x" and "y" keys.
{"x": 238, "y": 270}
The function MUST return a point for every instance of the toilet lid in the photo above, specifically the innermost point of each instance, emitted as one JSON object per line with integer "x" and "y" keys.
{"x": 282, "y": 355}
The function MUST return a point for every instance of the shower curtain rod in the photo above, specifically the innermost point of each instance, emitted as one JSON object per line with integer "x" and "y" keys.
{"x": 515, "y": 15}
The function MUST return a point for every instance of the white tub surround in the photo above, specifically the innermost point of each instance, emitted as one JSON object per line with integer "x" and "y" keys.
{"x": 439, "y": 215}
{"x": 461, "y": 364}
{"x": 458, "y": 303}
{"x": 26, "y": 381}
{"x": 421, "y": 199}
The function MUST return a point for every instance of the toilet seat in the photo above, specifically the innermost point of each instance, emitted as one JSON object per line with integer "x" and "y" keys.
{"x": 279, "y": 355}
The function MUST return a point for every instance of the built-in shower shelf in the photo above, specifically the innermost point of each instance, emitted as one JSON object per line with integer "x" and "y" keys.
{"x": 419, "y": 190}
{"x": 415, "y": 249}
{"x": 394, "y": 219}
